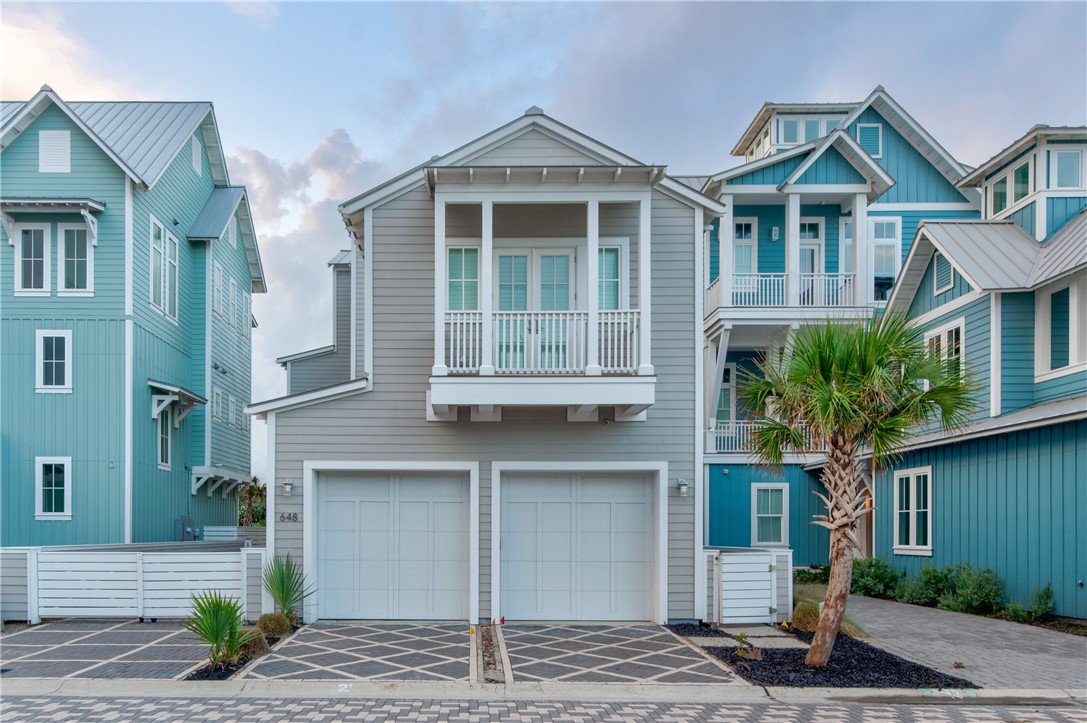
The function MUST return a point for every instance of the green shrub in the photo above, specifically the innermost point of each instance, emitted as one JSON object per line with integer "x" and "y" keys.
{"x": 217, "y": 621}
{"x": 1016, "y": 612}
{"x": 255, "y": 646}
{"x": 1041, "y": 602}
{"x": 812, "y": 575}
{"x": 274, "y": 624}
{"x": 285, "y": 583}
{"x": 973, "y": 591}
{"x": 874, "y": 577}
{"x": 926, "y": 588}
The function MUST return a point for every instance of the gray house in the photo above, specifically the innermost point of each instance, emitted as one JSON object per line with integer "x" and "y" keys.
{"x": 508, "y": 420}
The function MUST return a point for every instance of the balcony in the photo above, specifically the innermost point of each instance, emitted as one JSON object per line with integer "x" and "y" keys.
{"x": 735, "y": 438}
{"x": 772, "y": 290}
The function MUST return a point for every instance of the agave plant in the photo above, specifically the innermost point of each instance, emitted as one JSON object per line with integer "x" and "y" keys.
{"x": 217, "y": 620}
{"x": 284, "y": 581}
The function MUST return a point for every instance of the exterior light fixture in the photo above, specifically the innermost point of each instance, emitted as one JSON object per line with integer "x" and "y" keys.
{"x": 288, "y": 487}
{"x": 683, "y": 487}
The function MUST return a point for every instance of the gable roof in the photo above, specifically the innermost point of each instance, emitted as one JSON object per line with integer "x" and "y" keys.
{"x": 1039, "y": 132}
{"x": 768, "y": 109}
{"x": 142, "y": 138}
{"x": 852, "y": 152}
{"x": 1063, "y": 252}
{"x": 211, "y": 223}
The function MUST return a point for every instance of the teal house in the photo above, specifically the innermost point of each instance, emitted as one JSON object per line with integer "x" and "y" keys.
{"x": 127, "y": 267}
{"x": 1007, "y": 296}
{"x": 820, "y": 217}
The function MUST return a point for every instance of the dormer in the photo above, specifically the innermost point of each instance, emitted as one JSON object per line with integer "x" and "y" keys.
{"x": 780, "y": 126}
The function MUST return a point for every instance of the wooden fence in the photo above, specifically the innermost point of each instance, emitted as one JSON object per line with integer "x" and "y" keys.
{"x": 750, "y": 585}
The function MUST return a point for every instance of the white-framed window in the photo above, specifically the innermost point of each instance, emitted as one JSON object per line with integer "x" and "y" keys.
{"x": 232, "y": 420}
{"x": 463, "y": 283}
{"x": 75, "y": 260}
{"x": 235, "y": 306}
{"x": 947, "y": 342}
{"x": 245, "y": 421}
{"x": 217, "y": 404}
{"x": 53, "y": 366}
{"x": 164, "y": 262}
{"x": 794, "y": 130}
{"x": 1066, "y": 169}
{"x": 232, "y": 231}
{"x": 745, "y": 245}
{"x": 197, "y": 164}
{"x": 247, "y": 315}
{"x": 217, "y": 297}
{"x": 52, "y": 488}
{"x": 943, "y": 276}
{"x": 913, "y": 511}
{"x": 54, "y": 151}
{"x": 845, "y": 246}
{"x": 165, "y": 434}
{"x": 32, "y": 262}
{"x": 769, "y": 515}
{"x": 726, "y": 397}
{"x": 870, "y": 138}
{"x": 1016, "y": 184}
{"x": 885, "y": 242}
{"x": 1060, "y": 342}
{"x": 610, "y": 281}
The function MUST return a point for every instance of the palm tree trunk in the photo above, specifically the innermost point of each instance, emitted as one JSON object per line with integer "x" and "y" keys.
{"x": 841, "y": 577}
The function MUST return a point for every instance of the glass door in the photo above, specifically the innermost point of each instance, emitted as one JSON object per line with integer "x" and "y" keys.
{"x": 511, "y": 295}
{"x": 554, "y": 285}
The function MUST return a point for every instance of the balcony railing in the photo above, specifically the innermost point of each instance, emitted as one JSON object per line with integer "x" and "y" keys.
{"x": 770, "y": 290}
{"x": 826, "y": 289}
{"x": 542, "y": 342}
{"x": 758, "y": 290}
{"x": 734, "y": 437}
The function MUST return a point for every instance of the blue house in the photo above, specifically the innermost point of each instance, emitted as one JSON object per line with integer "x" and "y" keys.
{"x": 1006, "y": 295}
{"x": 820, "y": 217}
{"x": 127, "y": 264}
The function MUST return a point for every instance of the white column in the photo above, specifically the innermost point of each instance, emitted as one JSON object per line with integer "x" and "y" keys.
{"x": 726, "y": 254}
{"x": 645, "y": 300}
{"x": 792, "y": 249}
{"x": 592, "y": 364}
{"x": 486, "y": 287}
{"x": 862, "y": 277}
{"x": 440, "y": 282}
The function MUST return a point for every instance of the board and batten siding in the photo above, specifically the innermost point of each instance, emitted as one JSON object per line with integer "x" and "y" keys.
{"x": 1016, "y": 351}
{"x": 389, "y": 423}
{"x": 976, "y": 352}
{"x": 534, "y": 148}
{"x": 831, "y": 168}
{"x": 924, "y": 300}
{"x": 772, "y": 174}
{"x": 1013, "y": 502}
{"x": 1060, "y": 209}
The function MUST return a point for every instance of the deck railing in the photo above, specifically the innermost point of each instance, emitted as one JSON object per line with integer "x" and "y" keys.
{"x": 826, "y": 289}
{"x": 764, "y": 290}
{"x": 733, "y": 437}
{"x": 758, "y": 290}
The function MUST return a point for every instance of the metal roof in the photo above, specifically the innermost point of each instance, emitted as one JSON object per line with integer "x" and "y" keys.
{"x": 992, "y": 255}
{"x": 344, "y": 257}
{"x": 217, "y": 212}
{"x": 976, "y": 176}
{"x": 1065, "y": 251}
{"x": 695, "y": 182}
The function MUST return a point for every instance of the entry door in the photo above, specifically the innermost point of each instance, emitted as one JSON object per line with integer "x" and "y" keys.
{"x": 540, "y": 280}
{"x": 576, "y": 547}
{"x": 554, "y": 286}
{"x": 809, "y": 264}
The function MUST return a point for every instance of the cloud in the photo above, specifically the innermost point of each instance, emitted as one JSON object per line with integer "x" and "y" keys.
{"x": 261, "y": 12}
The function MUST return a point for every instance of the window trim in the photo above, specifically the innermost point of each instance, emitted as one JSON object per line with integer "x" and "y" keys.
{"x": 39, "y": 514}
{"x": 873, "y": 242}
{"x": 842, "y": 254}
{"x": 942, "y": 332}
{"x": 62, "y": 268}
{"x": 217, "y": 289}
{"x": 217, "y": 404}
{"x": 730, "y": 367}
{"x": 235, "y": 304}
{"x": 168, "y": 269}
{"x": 913, "y": 548}
{"x": 1077, "y": 313}
{"x": 754, "y": 243}
{"x": 784, "y": 487}
{"x": 16, "y": 240}
{"x": 65, "y": 167}
{"x": 232, "y": 411}
{"x": 879, "y": 129}
{"x": 247, "y": 315}
{"x": 937, "y": 290}
{"x": 1011, "y": 204}
{"x": 39, "y": 360}
{"x": 1053, "y": 168}
{"x": 165, "y": 419}
{"x": 197, "y": 157}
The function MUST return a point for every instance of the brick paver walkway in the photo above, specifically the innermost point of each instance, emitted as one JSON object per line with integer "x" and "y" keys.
{"x": 995, "y": 653}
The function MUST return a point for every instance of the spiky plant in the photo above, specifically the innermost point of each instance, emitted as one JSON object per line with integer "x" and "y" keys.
{"x": 286, "y": 584}
{"x": 218, "y": 621}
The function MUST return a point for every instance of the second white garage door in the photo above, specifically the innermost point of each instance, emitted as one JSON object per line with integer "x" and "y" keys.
{"x": 576, "y": 547}
{"x": 393, "y": 546}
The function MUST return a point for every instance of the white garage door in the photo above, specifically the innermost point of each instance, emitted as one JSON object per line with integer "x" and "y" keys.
{"x": 576, "y": 547}
{"x": 392, "y": 546}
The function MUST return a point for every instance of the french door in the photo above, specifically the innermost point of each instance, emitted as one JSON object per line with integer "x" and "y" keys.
{"x": 534, "y": 287}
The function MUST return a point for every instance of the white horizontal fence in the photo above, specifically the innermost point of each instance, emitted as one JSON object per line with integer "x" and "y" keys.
{"x": 826, "y": 289}
{"x": 733, "y": 437}
{"x": 619, "y": 341}
{"x": 463, "y": 341}
{"x": 132, "y": 584}
{"x": 758, "y": 290}
{"x": 752, "y": 585}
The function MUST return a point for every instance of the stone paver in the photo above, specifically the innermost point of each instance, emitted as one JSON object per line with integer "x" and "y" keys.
{"x": 100, "y": 649}
{"x": 20, "y": 709}
{"x": 995, "y": 653}
{"x": 607, "y": 654}
{"x": 358, "y": 651}
{"x": 752, "y": 631}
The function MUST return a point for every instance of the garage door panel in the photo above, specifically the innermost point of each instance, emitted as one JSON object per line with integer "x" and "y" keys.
{"x": 630, "y": 517}
{"x": 448, "y": 517}
{"x": 556, "y": 516}
{"x": 450, "y": 547}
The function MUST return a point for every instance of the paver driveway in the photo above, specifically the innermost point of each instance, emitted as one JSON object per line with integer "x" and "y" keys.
{"x": 622, "y": 653}
{"x": 100, "y": 649}
{"x": 377, "y": 651}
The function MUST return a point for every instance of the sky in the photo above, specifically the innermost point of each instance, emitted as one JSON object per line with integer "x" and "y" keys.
{"x": 317, "y": 102}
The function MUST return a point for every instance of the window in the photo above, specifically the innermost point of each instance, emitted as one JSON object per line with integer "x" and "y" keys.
{"x": 1060, "y": 345}
{"x": 158, "y": 239}
{"x": 610, "y": 273}
{"x": 32, "y": 272}
{"x": 75, "y": 260}
{"x": 245, "y": 421}
{"x": 799, "y": 129}
{"x": 769, "y": 514}
{"x": 235, "y": 305}
{"x": 54, "y": 152}
{"x": 1021, "y": 182}
{"x": 943, "y": 278}
{"x": 913, "y": 512}
{"x": 53, "y": 370}
{"x": 247, "y": 315}
{"x": 946, "y": 342}
{"x": 809, "y": 231}
{"x": 217, "y": 300}
{"x": 886, "y": 244}
{"x": 1011, "y": 188}
{"x": 165, "y": 431}
{"x": 52, "y": 488}
{"x": 217, "y": 404}
{"x": 463, "y": 279}
{"x": 870, "y": 138}
{"x": 1059, "y": 328}
{"x": 232, "y": 231}
{"x": 845, "y": 246}
{"x": 1000, "y": 196}
{"x": 164, "y": 251}
{"x": 726, "y": 398}
{"x": 745, "y": 243}
{"x": 1066, "y": 169}
{"x": 232, "y": 420}
{"x": 790, "y": 131}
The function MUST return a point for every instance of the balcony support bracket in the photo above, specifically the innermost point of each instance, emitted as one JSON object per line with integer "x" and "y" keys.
{"x": 583, "y": 413}
{"x": 486, "y": 413}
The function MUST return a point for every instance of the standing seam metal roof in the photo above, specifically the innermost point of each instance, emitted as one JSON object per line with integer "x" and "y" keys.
{"x": 216, "y": 213}
{"x": 992, "y": 254}
{"x": 1065, "y": 251}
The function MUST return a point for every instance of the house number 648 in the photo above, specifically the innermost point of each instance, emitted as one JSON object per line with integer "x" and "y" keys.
{"x": 288, "y": 517}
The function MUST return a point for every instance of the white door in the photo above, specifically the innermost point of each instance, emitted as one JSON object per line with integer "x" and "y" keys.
{"x": 392, "y": 547}
{"x": 576, "y": 547}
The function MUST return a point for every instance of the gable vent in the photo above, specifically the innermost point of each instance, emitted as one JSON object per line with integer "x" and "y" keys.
{"x": 942, "y": 272}
{"x": 870, "y": 138}
{"x": 54, "y": 151}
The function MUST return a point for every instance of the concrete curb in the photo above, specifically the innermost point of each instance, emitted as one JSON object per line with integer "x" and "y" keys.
{"x": 597, "y": 692}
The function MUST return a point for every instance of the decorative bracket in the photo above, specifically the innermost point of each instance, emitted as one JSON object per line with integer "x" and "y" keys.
{"x": 9, "y": 226}
{"x": 197, "y": 482}
{"x": 92, "y": 225}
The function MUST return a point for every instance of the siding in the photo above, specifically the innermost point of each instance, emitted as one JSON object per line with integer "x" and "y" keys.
{"x": 1013, "y": 502}
{"x": 912, "y": 219}
{"x": 1060, "y": 209}
{"x": 1064, "y": 387}
{"x": 975, "y": 347}
{"x": 534, "y": 148}
{"x": 389, "y": 422}
{"x": 924, "y": 300}
{"x": 333, "y": 367}
{"x": 1024, "y": 218}
{"x": 770, "y": 254}
{"x": 13, "y": 586}
{"x": 772, "y": 174}
{"x": 1017, "y": 351}
{"x": 831, "y": 167}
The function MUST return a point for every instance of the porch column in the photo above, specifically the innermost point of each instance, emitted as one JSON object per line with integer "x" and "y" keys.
{"x": 792, "y": 249}
{"x": 592, "y": 348}
{"x": 486, "y": 296}
{"x": 862, "y": 277}
{"x": 645, "y": 301}
{"x": 726, "y": 253}
{"x": 440, "y": 283}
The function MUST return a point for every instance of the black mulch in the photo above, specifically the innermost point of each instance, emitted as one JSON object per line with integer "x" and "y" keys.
{"x": 214, "y": 672}
{"x": 695, "y": 630}
{"x": 852, "y": 664}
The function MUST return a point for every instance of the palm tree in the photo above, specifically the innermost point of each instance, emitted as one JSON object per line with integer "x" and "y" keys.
{"x": 252, "y": 496}
{"x": 856, "y": 386}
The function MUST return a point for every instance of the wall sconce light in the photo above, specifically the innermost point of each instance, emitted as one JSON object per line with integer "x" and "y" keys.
{"x": 683, "y": 487}
{"x": 774, "y": 233}
{"x": 288, "y": 487}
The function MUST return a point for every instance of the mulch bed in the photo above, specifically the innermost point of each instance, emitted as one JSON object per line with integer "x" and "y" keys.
{"x": 852, "y": 664}
{"x": 214, "y": 672}
{"x": 694, "y": 630}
